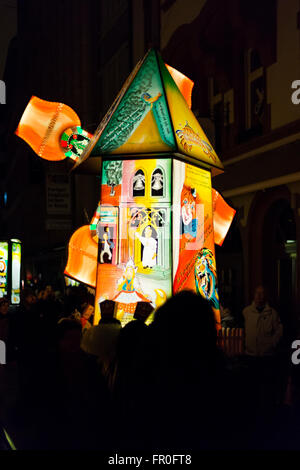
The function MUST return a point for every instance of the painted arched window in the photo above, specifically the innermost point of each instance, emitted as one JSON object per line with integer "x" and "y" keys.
{"x": 157, "y": 183}
{"x": 138, "y": 184}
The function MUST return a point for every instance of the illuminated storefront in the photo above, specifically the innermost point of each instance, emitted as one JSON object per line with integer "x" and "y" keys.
{"x": 10, "y": 270}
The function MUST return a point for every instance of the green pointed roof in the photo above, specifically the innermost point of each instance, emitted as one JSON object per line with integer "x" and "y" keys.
{"x": 150, "y": 117}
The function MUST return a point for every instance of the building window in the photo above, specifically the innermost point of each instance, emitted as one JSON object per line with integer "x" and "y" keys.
{"x": 110, "y": 12}
{"x": 221, "y": 109}
{"x": 112, "y": 73}
{"x": 216, "y": 111}
{"x": 255, "y": 90}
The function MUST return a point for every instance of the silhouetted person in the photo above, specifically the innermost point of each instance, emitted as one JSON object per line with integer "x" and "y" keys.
{"x": 130, "y": 346}
{"x": 227, "y": 320}
{"x": 69, "y": 352}
{"x": 180, "y": 380}
{"x": 75, "y": 298}
{"x": 28, "y": 343}
{"x": 101, "y": 340}
{"x": 132, "y": 334}
{"x": 26, "y": 323}
{"x": 87, "y": 312}
{"x": 82, "y": 396}
{"x": 4, "y": 320}
{"x": 263, "y": 331}
{"x": 49, "y": 311}
{"x": 35, "y": 324}
{"x": 5, "y": 337}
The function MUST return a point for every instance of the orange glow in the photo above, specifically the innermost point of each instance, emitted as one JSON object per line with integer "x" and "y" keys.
{"x": 82, "y": 257}
{"x": 42, "y": 124}
{"x": 223, "y": 216}
{"x": 184, "y": 84}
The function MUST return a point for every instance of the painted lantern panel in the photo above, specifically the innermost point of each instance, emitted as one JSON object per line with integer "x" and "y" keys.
{"x": 3, "y": 268}
{"x": 194, "y": 264}
{"x": 134, "y": 231}
{"x": 16, "y": 273}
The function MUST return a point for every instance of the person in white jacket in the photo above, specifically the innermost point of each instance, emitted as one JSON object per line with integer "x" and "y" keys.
{"x": 263, "y": 331}
{"x": 263, "y": 328}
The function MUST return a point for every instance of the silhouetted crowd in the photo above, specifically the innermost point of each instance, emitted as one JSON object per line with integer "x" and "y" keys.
{"x": 69, "y": 384}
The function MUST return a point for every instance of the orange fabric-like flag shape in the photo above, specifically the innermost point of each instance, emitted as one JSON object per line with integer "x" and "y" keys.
{"x": 184, "y": 84}
{"x": 222, "y": 216}
{"x": 82, "y": 257}
{"x": 42, "y": 125}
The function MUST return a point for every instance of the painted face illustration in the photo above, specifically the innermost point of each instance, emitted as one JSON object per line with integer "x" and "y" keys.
{"x": 148, "y": 232}
{"x": 129, "y": 273}
{"x": 205, "y": 276}
{"x": 2, "y": 266}
{"x": 188, "y": 211}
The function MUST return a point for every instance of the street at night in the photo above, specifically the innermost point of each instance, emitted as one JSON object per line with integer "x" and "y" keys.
{"x": 149, "y": 228}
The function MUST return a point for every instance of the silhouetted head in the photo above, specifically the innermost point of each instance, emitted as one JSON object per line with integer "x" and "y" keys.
{"x": 186, "y": 324}
{"x": 88, "y": 311}
{"x": 107, "y": 308}
{"x": 49, "y": 292}
{"x": 4, "y": 304}
{"x": 142, "y": 311}
{"x": 69, "y": 334}
{"x": 67, "y": 324}
{"x": 28, "y": 297}
{"x": 260, "y": 296}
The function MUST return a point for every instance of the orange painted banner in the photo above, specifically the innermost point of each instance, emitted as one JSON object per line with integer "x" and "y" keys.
{"x": 42, "y": 125}
{"x": 184, "y": 84}
{"x": 82, "y": 256}
{"x": 222, "y": 215}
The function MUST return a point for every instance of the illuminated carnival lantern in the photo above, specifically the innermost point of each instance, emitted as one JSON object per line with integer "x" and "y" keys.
{"x": 10, "y": 270}
{"x": 158, "y": 218}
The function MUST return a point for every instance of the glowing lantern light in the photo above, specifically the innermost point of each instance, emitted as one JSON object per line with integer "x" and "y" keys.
{"x": 51, "y": 130}
{"x": 184, "y": 84}
{"x": 10, "y": 270}
{"x": 82, "y": 257}
{"x": 155, "y": 158}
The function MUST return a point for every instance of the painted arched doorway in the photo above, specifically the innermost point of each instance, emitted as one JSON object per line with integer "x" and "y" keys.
{"x": 279, "y": 242}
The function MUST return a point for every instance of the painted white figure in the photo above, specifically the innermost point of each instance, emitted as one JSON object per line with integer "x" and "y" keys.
{"x": 106, "y": 246}
{"x": 129, "y": 292}
{"x": 150, "y": 246}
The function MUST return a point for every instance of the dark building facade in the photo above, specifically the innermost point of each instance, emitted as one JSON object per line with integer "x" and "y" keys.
{"x": 80, "y": 54}
{"x": 54, "y": 57}
{"x": 243, "y": 58}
